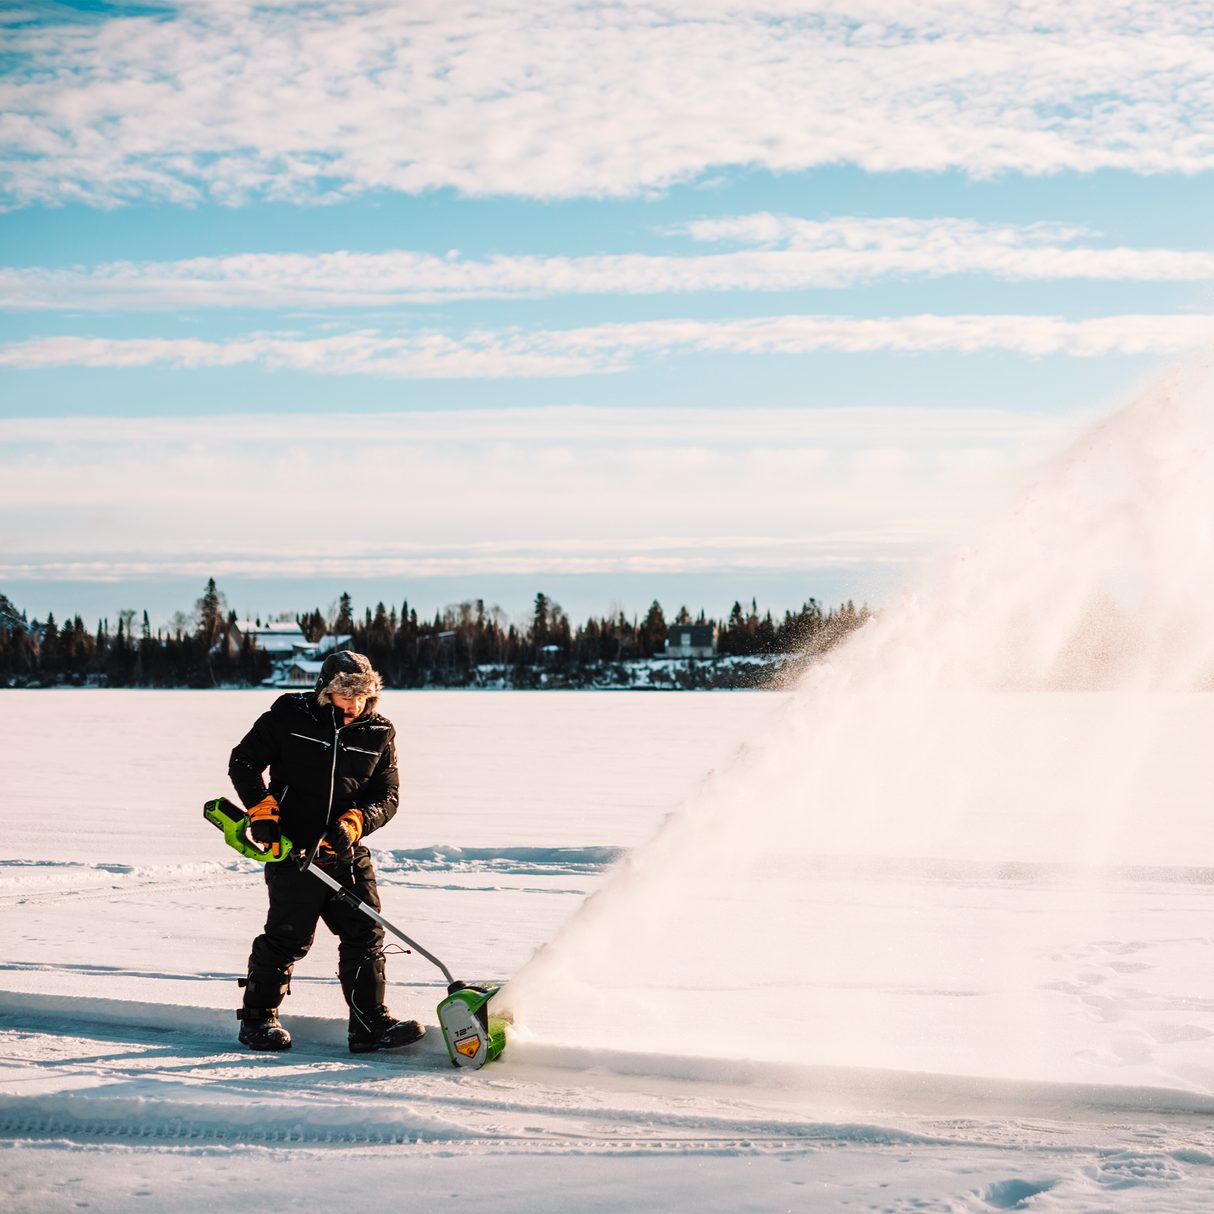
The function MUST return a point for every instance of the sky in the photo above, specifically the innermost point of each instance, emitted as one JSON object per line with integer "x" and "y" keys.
{"x": 613, "y": 301}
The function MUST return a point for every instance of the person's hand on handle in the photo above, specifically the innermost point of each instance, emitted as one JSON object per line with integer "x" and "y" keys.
{"x": 344, "y": 833}
{"x": 263, "y": 826}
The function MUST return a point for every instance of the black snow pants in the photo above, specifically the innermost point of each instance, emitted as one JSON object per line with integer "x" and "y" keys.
{"x": 297, "y": 901}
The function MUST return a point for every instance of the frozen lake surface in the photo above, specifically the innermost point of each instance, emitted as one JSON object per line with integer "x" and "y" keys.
{"x": 1013, "y": 1012}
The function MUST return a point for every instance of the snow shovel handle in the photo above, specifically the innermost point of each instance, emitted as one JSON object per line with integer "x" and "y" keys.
{"x": 354, "y": 900}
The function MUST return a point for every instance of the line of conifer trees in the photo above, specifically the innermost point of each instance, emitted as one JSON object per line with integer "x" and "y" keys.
{"x": 207, "y": 649}
{"x": 194, "y": 652}
{"x": 411, "y": 653}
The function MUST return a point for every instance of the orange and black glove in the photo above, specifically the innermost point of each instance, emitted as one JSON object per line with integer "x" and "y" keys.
{"x": 344, "y": 833}
{"x": 263, "y": 826}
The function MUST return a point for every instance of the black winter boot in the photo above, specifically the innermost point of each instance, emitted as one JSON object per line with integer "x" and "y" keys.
{"x": 260, "y": 1030}
{"x": 381, "y": 1032}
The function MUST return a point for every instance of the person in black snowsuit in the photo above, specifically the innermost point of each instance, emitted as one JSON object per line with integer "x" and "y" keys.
{"x": 333, "y": 777}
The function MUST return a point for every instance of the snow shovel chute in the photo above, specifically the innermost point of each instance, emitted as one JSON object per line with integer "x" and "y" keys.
{"x": 473, "y": 1037}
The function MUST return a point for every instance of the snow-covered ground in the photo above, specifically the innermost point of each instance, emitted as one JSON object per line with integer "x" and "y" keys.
{"x": 968, "y": 1021}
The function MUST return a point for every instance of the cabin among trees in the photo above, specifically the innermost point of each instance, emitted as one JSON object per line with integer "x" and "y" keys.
{"x": 691, "y": 641}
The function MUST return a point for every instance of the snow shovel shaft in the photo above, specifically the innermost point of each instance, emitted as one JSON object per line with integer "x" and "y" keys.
{"x": 354, "y": 900}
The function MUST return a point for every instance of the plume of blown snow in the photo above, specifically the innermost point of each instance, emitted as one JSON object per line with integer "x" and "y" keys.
{"x": 1004, "y": 713}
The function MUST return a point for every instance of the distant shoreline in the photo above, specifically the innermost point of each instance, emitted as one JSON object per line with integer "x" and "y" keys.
{"x": 467, "y": 645}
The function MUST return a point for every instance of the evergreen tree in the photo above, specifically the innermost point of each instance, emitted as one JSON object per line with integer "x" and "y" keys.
{"x": 48, "y": 650}
{"x": 312, "y": 625}
{"x": 210, "y": 609}
{"x": 653, "y": 631}
{"x": 558, "y": 626}
{"x": 344, "y": 624}
{"x": 765, "y": 635}
{"x": 539, "y": 622}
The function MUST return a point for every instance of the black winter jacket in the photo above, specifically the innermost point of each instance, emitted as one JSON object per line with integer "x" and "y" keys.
{"x": 319, "y": 767}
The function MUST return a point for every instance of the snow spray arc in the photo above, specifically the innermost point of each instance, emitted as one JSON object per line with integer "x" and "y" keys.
{"x": 857, "y": 889}
{"x": 473, "y": 1037}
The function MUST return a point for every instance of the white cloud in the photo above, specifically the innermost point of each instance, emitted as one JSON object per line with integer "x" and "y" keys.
{"x": 547, "y": 353}
{"x": 424, "y": 355}
{"x": 834, "y": 253}
{"x": 573, "y": 490}
{"x": 233, "y": 100}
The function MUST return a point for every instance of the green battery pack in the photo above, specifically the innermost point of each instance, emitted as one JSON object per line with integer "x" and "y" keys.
{"x": 234, "y": 822}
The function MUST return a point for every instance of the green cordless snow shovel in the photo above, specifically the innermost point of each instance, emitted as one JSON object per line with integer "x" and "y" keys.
{"x": 473, "y": 1037}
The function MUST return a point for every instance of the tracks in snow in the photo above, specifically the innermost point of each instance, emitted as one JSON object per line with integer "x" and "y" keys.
{"x": 126, "y": 889}
{"x": 120, "y": 1083}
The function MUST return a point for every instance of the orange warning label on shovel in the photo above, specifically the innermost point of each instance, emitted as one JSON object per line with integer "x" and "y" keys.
{"x": 468, "y": 1046}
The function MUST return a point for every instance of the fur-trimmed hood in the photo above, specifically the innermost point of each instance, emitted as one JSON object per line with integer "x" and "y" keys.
{"x": 348, "y": 674}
